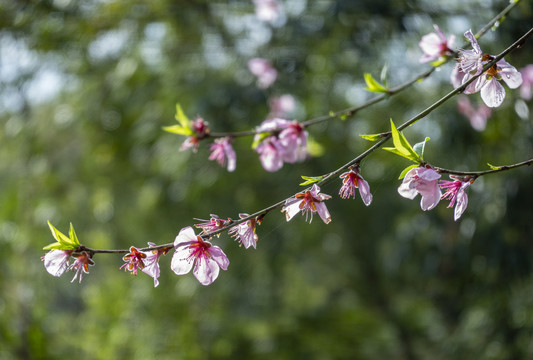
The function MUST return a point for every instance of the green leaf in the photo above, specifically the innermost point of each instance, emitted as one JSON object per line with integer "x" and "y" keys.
{"x": 393, "y": 150}
{"x": 384, "y": 73}
{"x": 371, "y": 137}
{"x": 402, "y": 145}
{"x": 492, "y": 167}
{"x": 63, "y": 242}
{"x": 310, "y": 180}
{"x": 419, "y": 148}
{"x": 373, "y": 85}
{"x": 73, "y": 237}
{"x": 258, "y": 138}
{"x": 406, "y": 170}
{"x": 184, "y": 127}
{"x": 438, "y": 62}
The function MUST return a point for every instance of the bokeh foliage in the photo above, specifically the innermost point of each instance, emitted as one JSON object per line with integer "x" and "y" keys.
{"x": 86, "y": 87}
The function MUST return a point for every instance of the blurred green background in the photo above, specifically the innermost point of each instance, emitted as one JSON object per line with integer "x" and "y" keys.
{"x": 85, "y": 88}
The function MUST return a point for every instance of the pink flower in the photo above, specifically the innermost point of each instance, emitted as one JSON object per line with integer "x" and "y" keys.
{"x": 214, "y": 224}
{"x": 492, "y": 92}
{"x": 56, "y": 262}
{"x": 281, "y": 106}
{"x": 434, "y": 45}
{"x": 221, "y": 150}
{"x": 352, "y": 180}
{"x": 151, "y": 263}
{"x": 288, "y": 144}
{"x": 81, "y": 265}
{"x": 421, "y": 181}
{"x": 245, "y": 232}
{"x": 526, "y": 90}
{"x": 270, "y": 154}
{"x": 267, "y": 10}
{"x": 308, "y": 202}
{"x": 133, "y": 260}
{"x": 264, "y": 71}
{"x": 293, "y": 141}
{"x": 455, "y": 192}
{"x": 192, "y": 250}
{"x": 478, "y": 117}
{"x": 471, "y": 63}
{"x": 201, "y": 129}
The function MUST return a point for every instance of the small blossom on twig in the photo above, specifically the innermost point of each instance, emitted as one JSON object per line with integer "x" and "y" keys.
{"x": 423, "y": 181}
{"x": 435, "y": 45}
{"x": 308, "y": 202}
{"x": 471, "y": 63}
{"x": 455, "y": 192}
{"x": 81, "y": 265}
{"x": 352, "y": 180}
{"x": 192, "y": 250}
{"x": 133, "y": 260}
{"x": 244, "y": 233}
{"x": 151, "y": 262}
{"x": 213, "y": 224}
{"x": 222, "y": 152}
{"x": 201, "y": 129}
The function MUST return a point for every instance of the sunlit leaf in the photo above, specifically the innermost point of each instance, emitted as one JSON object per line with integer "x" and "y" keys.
{"x": 373, "y": 85}
{"x": 371, "y": 137}
{"x": 420, "y": 147}
{"x": 406, "y": 170}
{"x": 310, "y": 180}
{"x": 492, "y": 167}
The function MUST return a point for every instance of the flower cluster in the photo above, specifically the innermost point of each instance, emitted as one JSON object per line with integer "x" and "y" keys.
{"x": 57, "y": 262}
{"x": 425, "y": 181}
{"x": 287, "y": 143}
{"x": 471, "y": 63}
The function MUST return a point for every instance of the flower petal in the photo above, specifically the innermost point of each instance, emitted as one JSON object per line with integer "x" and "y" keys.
{"x": 185, "y": 235}
{"x": 323, "y": 212}
{"x": 219, "y": 257}
{"x": 364, "y": 191}
{"x": 493, "y": 93}
{"x": 206, "y": 270}
{"x": 462, "y": 203}
{"x": 182, "y": 262}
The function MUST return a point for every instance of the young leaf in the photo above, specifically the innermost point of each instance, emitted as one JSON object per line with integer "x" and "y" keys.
{"x": 406, "y": 170}
{"x": 184, "y": 127}
{"x": 372, "y": 84}
{"x": 492, "y": 167}
{"x": 384, "y": 73}
{"x": 63, "y": 242}
{"x": 402, "y": 145}
{"x": 310, "y": 179}
{"x": 258, "y": 138}
{"x": 419, "y": 148}
{"x": 371, "y": 137}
